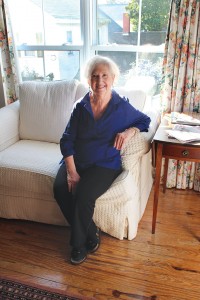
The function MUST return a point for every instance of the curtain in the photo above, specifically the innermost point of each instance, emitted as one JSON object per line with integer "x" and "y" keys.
{"x": 8, "y": 55}
{"x": 180, "y": 90}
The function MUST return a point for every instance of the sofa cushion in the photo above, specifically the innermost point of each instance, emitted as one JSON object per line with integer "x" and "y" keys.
{"x": 33, "y": 156}
{"x": 45, "y": 108}
{"x": 27, "y": 172}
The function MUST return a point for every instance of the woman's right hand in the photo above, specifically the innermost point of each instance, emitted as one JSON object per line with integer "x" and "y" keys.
{"x": 72, "y": 175}
{"x": 72, "y": 180}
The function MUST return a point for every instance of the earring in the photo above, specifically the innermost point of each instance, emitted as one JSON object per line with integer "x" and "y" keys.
{"x": 90, "y": 90}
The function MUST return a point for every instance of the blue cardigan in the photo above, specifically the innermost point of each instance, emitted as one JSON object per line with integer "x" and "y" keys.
{"x": 91, "y": 141}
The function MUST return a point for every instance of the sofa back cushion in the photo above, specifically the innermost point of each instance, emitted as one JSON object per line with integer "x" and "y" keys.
{"x": 45, "y": 108}
{"x": 81, "y": 91}
{"x": 137, "y": 98}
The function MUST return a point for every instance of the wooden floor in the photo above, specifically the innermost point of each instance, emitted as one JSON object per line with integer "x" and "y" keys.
{"x": 165, "y": 265}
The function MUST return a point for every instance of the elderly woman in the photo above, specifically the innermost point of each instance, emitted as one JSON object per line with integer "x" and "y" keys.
{"x": 101, "y": 124}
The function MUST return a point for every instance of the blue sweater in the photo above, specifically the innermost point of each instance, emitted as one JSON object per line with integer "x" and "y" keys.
{"x": 91, "y": 141}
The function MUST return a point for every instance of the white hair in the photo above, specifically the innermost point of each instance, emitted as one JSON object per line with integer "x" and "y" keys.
{"x": 97, "y": 60}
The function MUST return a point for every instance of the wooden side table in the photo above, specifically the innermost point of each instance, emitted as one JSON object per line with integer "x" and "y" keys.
{"x": 169, "y": 148}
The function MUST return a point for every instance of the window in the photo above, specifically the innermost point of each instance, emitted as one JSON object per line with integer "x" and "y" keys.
{"x": 133, "y": 34}
{"x": 54, "y": 38}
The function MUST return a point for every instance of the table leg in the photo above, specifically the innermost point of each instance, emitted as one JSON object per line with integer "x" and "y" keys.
{"x": 154, "y": 154}
{"x": 157, "y": 184}
{"x": 165, "y": 174}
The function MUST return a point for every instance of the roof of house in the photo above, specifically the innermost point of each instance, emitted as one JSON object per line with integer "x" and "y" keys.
{"x": 114, "y": 12}
{"x": 61, "y": 9}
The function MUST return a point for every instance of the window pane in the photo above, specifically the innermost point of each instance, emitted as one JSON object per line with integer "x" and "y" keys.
{"x": 154, "y": 21}
{"x": 49, "y": 65}
{"x": 142, "y": 71}
{"x": 118, "y": 22}
{"x": 124, "y": 60}
{"x": 113, "y": 24}
{"x": 46, "y": 22}
{"x": 62, "y": 21}
{"x": 149, "y": 68}
{"x": 27, "y": 22}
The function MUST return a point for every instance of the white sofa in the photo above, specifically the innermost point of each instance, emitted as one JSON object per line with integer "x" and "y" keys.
{"x": 30, "y": 130}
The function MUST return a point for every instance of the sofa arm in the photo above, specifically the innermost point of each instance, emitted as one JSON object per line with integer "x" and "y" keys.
{"x": 9, "y": 125}
{"x": 155, "y": 117}
{"x": 140, "y": 143}
{"x": 134, "y": 149}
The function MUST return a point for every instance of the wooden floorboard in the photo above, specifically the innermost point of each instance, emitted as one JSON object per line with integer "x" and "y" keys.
{"x": 163, "y": 266}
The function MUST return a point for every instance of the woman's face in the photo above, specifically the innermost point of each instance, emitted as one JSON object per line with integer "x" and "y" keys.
{"x": 101, "y": 80}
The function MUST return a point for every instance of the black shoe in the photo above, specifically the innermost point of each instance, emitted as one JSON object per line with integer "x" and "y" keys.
{"x": 93, "y": 245}
{"x": 78, "y": 256}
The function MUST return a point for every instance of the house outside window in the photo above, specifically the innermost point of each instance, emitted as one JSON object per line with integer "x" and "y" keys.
{"x": 62, "y": 35}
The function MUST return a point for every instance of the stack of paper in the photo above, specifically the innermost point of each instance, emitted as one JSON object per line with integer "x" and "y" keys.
{"x": 185, "y": 133}
{"x": 181, "y": 118}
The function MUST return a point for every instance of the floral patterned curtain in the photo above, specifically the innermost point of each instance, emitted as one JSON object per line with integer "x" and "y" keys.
{"x": 181, "y": 80}
{"x": 7, "y": 53}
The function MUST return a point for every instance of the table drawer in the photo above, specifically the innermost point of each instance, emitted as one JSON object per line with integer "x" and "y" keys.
{"x": 181, "y": 152}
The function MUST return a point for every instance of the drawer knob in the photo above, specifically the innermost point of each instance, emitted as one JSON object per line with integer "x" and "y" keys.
{"x": 185, "y": 153}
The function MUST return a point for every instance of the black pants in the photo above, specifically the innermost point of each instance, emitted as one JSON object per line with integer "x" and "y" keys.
{"x": 79, "y": 209}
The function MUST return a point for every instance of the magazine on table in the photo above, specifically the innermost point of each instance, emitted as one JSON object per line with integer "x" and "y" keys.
{"x": 181, "y": 118}
{"x": 185, "y": 133}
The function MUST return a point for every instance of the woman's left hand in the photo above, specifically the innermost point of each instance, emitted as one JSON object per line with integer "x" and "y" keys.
{"x": 123, "y": 137}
